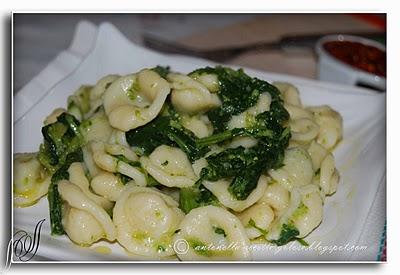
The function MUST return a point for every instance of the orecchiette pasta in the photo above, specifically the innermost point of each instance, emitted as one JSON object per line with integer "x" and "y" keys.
{"x": 84, "y": 220}
{"x": 107, "y": 161}
{"x": 220, "y": 190}
{"x": 257, "y": 219}
{"x": 190, "y": 96}
{"x": 118, "y": 137}
{"x": 31, "y": 180}
{"x": 304, "y": 212}
{"x": 303, "y": 130}
{"x": 172, "y": 192}
{"x": 90, "y": 164}
{"x": 283, "y": 219}
{"x": 330, "y": 124}
{"x": 169, "y": 166}
{"x": 245, "y": 142}
{"x": 116, "y": 150}
{"x": 108, "y": 185}
{"x": 146, "y": 221}
{"x": 329, "y": 176}
{"x": 317, "y": 153}
{"x": 297, "y": 112}
{"x": 134, "y": 100}
{"x": 77, "y": 176}
{"x": 208, "y": 80}
{"x": 200, "y": 126}
{"x": 81, "y": 227}
{"x": 207, "y": 233}
{"x": 308, "y": 215}
{"x": 79, "y": 102}
{"x": 53, "y": 116}
{"x": 97, "y": 128}
{"x": 297, "y": 169}
{"x": 166, "y": 164}
{"x": 97, "y": 92}
{"x": 276, "y": 196}
{"x": 101, "y": 86}
{"x": 290, "y": 93}
{"x": 247, "y": 118}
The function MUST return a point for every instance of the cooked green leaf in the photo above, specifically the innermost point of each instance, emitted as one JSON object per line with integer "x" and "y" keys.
{"x": 162, "y": 71}
{"x": 288, "y": 233}
{"x": 195, "y": 196}
{"x": 253, "y": 224}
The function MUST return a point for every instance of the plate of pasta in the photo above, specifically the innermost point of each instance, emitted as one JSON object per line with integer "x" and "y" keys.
{"x": 142, "y": 156}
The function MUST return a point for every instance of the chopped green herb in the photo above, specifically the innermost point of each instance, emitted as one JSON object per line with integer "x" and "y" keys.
{"x": 161, "y": 248}
{"x": 219, "y": 231}
{"x": 300, "y": 211}
{"x": 302, "y": 242}
{"x": 107, "y": 85}
{"x": 54, "y": 198}
{"x": 86, "y": 124}
{"x": 60, "y": 139}
{"x": 288, "y": 233}
{"x": 151, "y": 182}
{"x": 252, "y": 223}
{"x": 199, "y": 247}
{"x": 123, "y": 178}
{"x": 80, "y": 100}
{"x": 162, "y": 71}
{"x": 195, "y": 196}
{"x": 133, "y": 90}
{"x": 127, "y": 161}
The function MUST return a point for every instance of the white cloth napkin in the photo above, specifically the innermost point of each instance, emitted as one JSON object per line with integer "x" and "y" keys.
{"x": 59, "y": 68}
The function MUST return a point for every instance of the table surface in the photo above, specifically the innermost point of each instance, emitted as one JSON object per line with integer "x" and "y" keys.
{"x": 38, "y": 38}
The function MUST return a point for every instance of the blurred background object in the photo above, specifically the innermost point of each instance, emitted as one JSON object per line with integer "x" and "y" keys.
{"x": 38, "y": 38}
{"x": 352, "y": 60}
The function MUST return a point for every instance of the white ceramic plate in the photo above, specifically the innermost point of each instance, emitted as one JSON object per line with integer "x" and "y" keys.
{"x": 360, "y": 157}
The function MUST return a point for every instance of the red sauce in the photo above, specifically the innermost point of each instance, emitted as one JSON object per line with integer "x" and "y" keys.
{"x": 363, "y": 57}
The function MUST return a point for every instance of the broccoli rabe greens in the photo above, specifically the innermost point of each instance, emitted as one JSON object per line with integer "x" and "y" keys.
{"x": 60, "y": 148}
{"x": 79, "y": 102}
{"x": 237, "y": 92}
{"x": 195, "y": 196}
{"x": 162, "y": 71}
{"x": 289, "y": 233}
{"x": 60, "y": 139}
{"x": 244, "y": 165}
{"x": 162, "y": 151}
{"x": 165, "y": 130}
{"x": 55, "y": 202}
